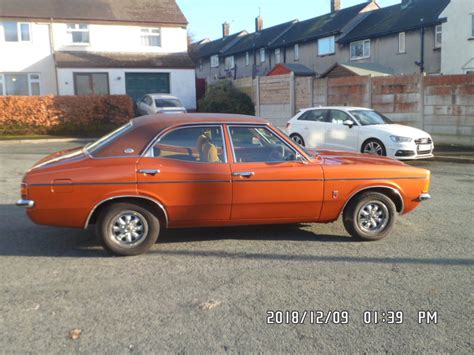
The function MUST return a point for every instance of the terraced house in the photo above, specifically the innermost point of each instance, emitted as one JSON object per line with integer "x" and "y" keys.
{"x": 364, "y": 39}
{"x": 87, "y": 47}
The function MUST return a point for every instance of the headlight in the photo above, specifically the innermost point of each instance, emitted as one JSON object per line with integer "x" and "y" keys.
{"x": 398, "y": 139}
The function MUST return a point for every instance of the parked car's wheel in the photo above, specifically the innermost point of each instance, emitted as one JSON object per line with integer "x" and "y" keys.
{"x": 374, "y": 146}
{"x": 370, "y": 216}
{"x": 297, "y": 139}
{"x": 126, "y": 229}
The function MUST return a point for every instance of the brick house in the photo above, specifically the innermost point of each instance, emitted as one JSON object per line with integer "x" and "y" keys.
{"x": 68, "y": 47}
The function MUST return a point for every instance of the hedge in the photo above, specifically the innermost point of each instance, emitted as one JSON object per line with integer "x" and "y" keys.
{"x": 224, "y": 97}
{"x": 63, "y": 115}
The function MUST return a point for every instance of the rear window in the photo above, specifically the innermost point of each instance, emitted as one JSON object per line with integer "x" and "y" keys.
{"x": 168, "y": 103}
{"x": 94, "y": 147}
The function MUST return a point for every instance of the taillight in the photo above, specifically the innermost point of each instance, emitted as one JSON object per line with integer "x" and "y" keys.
{"x": 24, "y": 190}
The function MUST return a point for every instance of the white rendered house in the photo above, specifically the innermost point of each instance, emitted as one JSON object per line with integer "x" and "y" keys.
{"x": 87, "y": 47}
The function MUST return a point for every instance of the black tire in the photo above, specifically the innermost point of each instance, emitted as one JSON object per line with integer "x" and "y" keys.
{"x": 114, "y": 215}
{"x": 374, "y": 142}
{"x": 360, "y": 204}
{"x": 297, "y": 139}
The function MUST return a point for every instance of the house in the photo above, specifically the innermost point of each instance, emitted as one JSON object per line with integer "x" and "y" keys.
{"x": 85, "y": 47}
{"x": 457, "y": 56}
{"x": 405, "y": 37}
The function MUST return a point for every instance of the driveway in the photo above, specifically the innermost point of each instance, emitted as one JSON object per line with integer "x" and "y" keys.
{"x": 202, "y": 290}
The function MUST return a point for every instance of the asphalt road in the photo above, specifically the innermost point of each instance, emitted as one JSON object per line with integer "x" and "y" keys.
{"x": 208, "y": 290}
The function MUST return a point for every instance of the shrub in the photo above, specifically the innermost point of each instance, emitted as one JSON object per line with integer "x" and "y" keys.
{"x": 223, "y": 97}
{"x": 63, "y": 115}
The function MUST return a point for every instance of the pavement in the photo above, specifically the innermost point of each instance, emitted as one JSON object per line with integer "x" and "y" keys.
{"x": 210, "y": 290}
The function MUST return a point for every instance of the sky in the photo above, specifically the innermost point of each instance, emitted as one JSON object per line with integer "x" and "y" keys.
{"x": 205, "y": 17}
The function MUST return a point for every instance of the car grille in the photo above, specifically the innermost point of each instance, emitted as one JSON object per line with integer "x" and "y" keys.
{"x": 424, "y": 152}
{"x": 423, "y": 141}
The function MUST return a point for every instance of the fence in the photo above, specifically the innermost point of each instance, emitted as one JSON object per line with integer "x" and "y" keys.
{"x": 440, "y": 105}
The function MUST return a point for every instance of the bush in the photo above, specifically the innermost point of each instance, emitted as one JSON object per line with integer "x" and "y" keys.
{"x": 223, "y": 97}
{"x": 63, "y": 115}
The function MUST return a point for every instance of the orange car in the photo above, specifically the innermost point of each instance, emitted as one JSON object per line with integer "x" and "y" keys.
{"x": 195, "y": 170}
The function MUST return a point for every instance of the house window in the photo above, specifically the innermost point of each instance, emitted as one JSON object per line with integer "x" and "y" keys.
{"x": 277, "y": 56}
{"x": 247, "y": 58}
{"x": 91, "y": 83}
{"x": 20, "y": 84}
{"x": 472, "y": 25}
{"x": 151, "y": 37}
{"x": 438, "y": 36}
{"x": 401, "y": 42}
{"x": 229, "y": 62}
{"x": 360, "y": 49}
{"x": 262, "y": 55}
{"x": 78, "y": 33}
{"x": 16, "y": 32}
{"x": 200, "y": 64}
{"x": 214, "y": 61}
{"x": 326, "y": 45}
{"x": 297, "y": 52}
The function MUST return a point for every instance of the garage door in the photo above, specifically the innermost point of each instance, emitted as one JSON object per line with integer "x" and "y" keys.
{"x": 139, "y": 84}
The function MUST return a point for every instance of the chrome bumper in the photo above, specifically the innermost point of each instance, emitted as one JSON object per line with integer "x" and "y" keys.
{"x": 424, "y": 197}
{"x": 25, "y": 203}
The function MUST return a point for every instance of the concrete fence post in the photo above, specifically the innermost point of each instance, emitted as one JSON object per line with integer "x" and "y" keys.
{"x": 310, "y": 90}
{"x": 326, "y": 82}
{"x": 257, "y": 96}
{"x": 369, "y": 91}
{"x": 292, "y": 94}
{"x": 421, "y": 86}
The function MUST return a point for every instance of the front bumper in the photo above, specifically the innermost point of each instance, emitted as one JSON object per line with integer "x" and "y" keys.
{"x": 409, "y": 151}
{"x": 424, "y": 197}
{"x": 25, "y": 203}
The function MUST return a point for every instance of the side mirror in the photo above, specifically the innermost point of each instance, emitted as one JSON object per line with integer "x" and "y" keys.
{"x": 348, "y": 123}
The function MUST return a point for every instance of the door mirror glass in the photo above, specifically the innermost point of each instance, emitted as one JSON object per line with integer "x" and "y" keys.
{"x": 349, "y": 123}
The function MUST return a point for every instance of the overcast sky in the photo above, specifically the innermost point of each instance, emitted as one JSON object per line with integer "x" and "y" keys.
{"x": 206, "y": 16}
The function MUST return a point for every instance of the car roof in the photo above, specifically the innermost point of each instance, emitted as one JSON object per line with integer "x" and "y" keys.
{"x": 162, "y": 96}
{"x": 344, "y": 108}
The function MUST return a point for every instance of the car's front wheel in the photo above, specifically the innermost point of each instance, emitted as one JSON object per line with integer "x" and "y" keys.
{"x": 297, "y": 139}
{"x": 370, "y": 216}
{"x": 127, "y": 229}
{"x": 374, "y": 146}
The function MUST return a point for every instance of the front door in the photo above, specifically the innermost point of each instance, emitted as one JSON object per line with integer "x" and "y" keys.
{"x": 269, "y": 181}
{"x": 339, "y": 136}
{"x": 186, "y": 171}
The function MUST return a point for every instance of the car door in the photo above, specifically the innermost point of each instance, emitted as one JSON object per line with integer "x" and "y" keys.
{"x": 269, "y": 180}
{"x": 312, "y": 127}
{"x": 192, "y": 186}
{"x": 339, "y": 136}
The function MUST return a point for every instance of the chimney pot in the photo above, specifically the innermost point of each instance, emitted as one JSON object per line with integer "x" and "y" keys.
{"x": 335, "y": 5}
{"x": 258, "y": 24}
{"x": 225, "y": 29}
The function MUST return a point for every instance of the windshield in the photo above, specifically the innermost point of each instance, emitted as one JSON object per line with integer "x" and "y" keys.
{"x": 168, "y": 103}
{"x": 101, "y": 142}
{"x": 368, "y": 117}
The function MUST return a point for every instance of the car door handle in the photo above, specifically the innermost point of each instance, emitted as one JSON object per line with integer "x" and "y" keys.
{"x": 148, "y": 171}
{"x": 244, "y": 174}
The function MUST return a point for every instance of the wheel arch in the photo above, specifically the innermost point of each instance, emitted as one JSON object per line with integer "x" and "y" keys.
{"x": 155, "y": 207}
{"x": 391, "y": 192}
{"x": 372, "y": 138}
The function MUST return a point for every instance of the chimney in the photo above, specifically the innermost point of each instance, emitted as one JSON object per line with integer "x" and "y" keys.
{"x": 225, "y": 29}
{"x": 258, "y": 24}
{"x": 335, "y": 5}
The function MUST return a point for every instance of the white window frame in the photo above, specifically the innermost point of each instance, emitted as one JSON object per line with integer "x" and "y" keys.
{"x": 262, "y": 55}
{"x": 18, "y": 32}
{"x": 296, "y": 52}
{"x": 402, "y": 42}
{"x": 147, "y": 32}
{"x": 247, "y": 58}
{"x": 277, "y": 56}
{"x": 76, "y": 28}
{"x": 215, "y": 61}
{"x": 31, "y": 80}
{"x": 472, "y": 25}
{"x": 332, "y": 43}
{"x": 364, "y": 43}
{"x": 438, "y": 31}
{"x": 229, "y": 62}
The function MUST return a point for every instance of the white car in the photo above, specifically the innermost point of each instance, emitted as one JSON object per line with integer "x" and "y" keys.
{"x": 159, "y": 103}
{"x": 358, "y": 129}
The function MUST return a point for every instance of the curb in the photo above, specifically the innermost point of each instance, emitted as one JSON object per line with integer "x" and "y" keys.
{"x": 48, "y": 140}
{"x": 447, "y": 159}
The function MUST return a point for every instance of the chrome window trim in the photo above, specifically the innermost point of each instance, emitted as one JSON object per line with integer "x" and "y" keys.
{"x": 159, "y": 204}
{"x": 148, "y": 151}
{"x": 376, "y": 187}
{"x": 107, "y": 139}
{"x": 265, "y": 126}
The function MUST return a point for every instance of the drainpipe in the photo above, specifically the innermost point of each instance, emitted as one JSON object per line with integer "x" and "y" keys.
{"x": 422, "y": 54}
{"x": 51, "y": 44}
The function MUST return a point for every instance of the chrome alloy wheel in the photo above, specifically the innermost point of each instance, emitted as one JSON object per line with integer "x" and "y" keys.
{"x": 373, "y": 148}
{"x": 128, "y": 229}
{"x": 298, "y": 139}
{"x": 373, "y": 217}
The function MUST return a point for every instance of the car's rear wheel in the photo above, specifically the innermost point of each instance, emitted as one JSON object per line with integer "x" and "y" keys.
{"x": 127, "y": 229}
{"x": 297, "y": 139}
{"x": 370, "y": 216}
{"x": 374, "y": 146}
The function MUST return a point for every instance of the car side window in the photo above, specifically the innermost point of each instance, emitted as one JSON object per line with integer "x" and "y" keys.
{"x": 338, "y": 117}
{"x": 203, "y": 144}
{"x": 259, "y": 144}
{"x": 313, "y": 115}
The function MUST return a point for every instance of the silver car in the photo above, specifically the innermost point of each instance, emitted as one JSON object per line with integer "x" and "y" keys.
{"x": 159, "y": 103}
